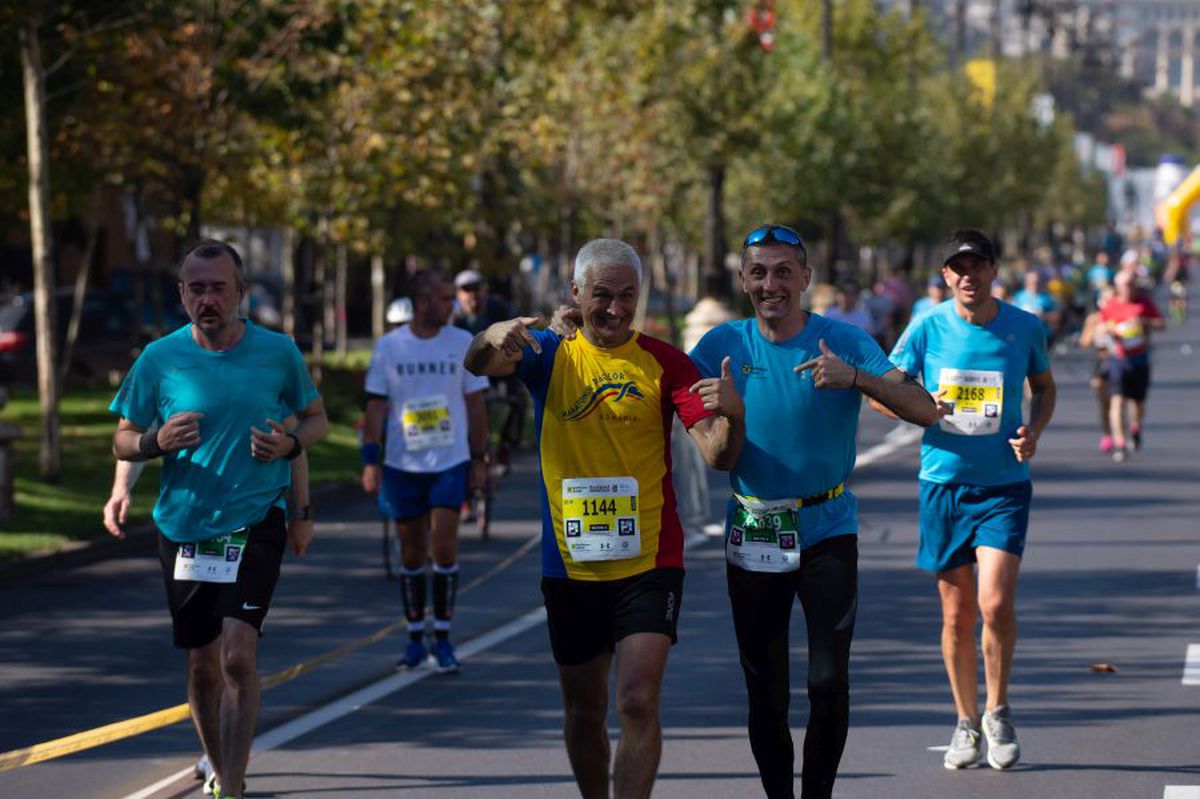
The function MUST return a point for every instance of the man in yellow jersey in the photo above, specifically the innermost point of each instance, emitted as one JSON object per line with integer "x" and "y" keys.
{"x": 612, "y": 544}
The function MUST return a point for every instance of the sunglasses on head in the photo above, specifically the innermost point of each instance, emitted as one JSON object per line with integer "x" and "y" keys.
{"x": 774, "y": 234}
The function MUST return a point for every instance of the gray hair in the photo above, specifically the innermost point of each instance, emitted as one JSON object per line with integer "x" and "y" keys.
{"x": 605, "y": 252}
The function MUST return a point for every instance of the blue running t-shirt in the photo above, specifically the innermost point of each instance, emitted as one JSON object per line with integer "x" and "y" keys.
{"x": 800, "y": 440}
{"x": 216, "y": 487}
{"x": 983, "y": 368}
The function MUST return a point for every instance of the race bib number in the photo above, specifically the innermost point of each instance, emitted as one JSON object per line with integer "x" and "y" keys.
{"x": 426, "y": 423}
{"x": 1132, "y": 334}
{"x": 600, "y": 518}
{"x": 213, "y": 560}
{"x": 977, "y": 399}
{"x": 764, "y": 536}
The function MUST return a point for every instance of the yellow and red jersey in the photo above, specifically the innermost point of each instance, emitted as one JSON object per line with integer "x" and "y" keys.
{"x": 603, "y": 418}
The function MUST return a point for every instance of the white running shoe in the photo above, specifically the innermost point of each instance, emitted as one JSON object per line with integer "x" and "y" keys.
{"x": 964, "y": 750}
{"x": 1003, "y": 750}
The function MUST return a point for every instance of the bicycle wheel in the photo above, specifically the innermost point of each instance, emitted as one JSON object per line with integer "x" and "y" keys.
{"x": 391, "y": 549}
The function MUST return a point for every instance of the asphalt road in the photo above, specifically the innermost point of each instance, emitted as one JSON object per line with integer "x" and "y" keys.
{"x": 1110, "y": 576}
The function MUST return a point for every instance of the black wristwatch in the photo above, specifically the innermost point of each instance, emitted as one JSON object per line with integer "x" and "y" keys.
{"x": 297, "y": 447}
{"x": 304, "y": 514}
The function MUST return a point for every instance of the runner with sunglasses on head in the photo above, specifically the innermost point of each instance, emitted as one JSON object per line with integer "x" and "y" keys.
{"x": 612, "y": 544}
{"x": 791, "y": 525}
{"x": 976, "y": 353}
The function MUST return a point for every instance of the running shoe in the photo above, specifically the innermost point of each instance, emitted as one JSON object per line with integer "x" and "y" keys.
{"x": 1136, "y": 434}
{"x": 202, "y": 769}
{"x": 414, "y": 655}
{"x": 1003, "y": 750}
{"x": 212, "y": 787}
{"x": 1119, "y": 455}
{"x": 443, "y": 652}
{"x": 964, "y": 750}
{"x": 1106, "y": 444}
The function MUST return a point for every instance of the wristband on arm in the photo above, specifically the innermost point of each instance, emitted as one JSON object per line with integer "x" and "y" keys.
{"x": 370, "y": 454}
{"x": 148, "y": 444}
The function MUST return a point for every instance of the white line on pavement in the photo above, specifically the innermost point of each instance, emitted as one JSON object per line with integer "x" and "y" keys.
{"x": 364, "y": 696}
{"x": 1198, "y": 577}
{"x": 897, "y": 439}
{"x": 1191, "y": 665}
{"x": 1181, "y": 792}
{"x": 150, "y": 790}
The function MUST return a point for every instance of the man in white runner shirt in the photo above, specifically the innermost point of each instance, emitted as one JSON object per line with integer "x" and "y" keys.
{"x": 437, "y": 432}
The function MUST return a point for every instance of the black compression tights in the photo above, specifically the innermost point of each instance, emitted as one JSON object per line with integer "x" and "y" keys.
{"x": 827, "y": 585}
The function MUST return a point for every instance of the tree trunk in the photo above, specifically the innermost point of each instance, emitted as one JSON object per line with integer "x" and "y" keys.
{"x": 318, "y": 312}
{"x": 81, "y": 282}
{"x": 342, "y": 266}
{"x": 44, "y": 310}
{"x": 715, "y": 281}
{"x": 827, "y": 31}
{"x": 378, "y": 295}
{"x": 960, "y": 32}
{"x": 289, "y": 281}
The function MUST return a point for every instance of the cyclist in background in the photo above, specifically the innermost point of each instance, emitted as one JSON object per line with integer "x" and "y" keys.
{"x": 475, "y": 309}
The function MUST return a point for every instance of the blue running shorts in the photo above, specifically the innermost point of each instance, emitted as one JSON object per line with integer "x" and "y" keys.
{"x": 955, "y": 519}
{"x": 410, "y": 495}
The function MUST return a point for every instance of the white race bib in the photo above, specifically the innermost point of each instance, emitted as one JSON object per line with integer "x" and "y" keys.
{"x": 764, "y": 535}
{"x": 600, "y": 518}
{"x": 213, "y": 560}
{"x": 977, "y": 397}
{"x": 426, "y": 423}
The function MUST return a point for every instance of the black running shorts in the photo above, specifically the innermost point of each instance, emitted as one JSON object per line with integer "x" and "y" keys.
{"x": 588, "y": 617}
{"x": 198, "y": 609}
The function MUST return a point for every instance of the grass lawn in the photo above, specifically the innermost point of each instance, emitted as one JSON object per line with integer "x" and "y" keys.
{"x": 49, "y": 515}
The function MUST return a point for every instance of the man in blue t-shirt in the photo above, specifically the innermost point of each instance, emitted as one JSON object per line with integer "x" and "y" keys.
{"x": 791, "y": 524}
{"x": 210, "y": 400}
{"x": 975, "y": 354}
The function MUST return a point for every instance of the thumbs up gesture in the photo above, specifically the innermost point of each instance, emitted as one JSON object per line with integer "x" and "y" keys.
{"x": 719, "y": 394}
{"x": 828, "y": 370}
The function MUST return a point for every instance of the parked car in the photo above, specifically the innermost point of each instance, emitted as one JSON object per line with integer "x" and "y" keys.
{"x": 106, "y": 342}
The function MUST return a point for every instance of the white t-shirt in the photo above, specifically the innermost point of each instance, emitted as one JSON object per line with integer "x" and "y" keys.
{"x": 426, "y": 385}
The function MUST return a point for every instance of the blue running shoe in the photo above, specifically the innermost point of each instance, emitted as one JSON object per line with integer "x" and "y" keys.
{"x": 414, "y": 655}
{"x": 443, "y": 652}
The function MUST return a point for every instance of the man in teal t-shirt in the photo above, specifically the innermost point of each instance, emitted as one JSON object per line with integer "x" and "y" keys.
{"x": 210, "y": 400}
{"x": 791, "y": 525}
{"x": 975, "y": 354}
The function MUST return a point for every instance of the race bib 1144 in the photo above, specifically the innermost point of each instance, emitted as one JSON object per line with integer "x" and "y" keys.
{"x": 600, "y": 518}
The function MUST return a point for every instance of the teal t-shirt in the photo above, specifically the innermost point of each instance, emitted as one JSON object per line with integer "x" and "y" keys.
{"x": 984, "y": 369}
{"x": 800, "y": 440}
{"x": 216, "y": 487}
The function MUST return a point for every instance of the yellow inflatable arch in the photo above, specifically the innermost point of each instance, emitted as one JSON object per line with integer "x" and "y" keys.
{"x": 1174, "y": 210}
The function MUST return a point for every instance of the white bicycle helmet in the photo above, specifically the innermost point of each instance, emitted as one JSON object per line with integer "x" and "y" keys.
{"x": 399, "y": 311}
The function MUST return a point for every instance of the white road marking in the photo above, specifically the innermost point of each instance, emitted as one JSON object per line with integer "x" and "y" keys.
{"x": 1191, "y": 665}
{"x": 897, "y": 439}
{"x": 942, "y": 748}
{"x": 364, "y": 696}
{"x": 150, "y": 790}
{"x": 1181, "y": 792}
{"x": 1198, "y": 577}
